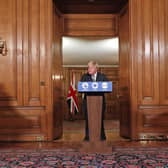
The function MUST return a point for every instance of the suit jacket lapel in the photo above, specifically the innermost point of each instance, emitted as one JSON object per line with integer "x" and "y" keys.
{"x": 90, "y": 78}
{"x": 97, "y": 77}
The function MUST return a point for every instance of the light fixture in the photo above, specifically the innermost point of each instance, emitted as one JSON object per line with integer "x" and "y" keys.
{"x": 57, "y": 77}
{"x": 3, "y": 47}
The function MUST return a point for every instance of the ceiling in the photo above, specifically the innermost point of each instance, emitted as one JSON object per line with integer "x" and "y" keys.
{"x": 90, "y": 6}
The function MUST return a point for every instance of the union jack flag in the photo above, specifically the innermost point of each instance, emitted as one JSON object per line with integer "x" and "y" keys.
{"x": 72, "y": 98}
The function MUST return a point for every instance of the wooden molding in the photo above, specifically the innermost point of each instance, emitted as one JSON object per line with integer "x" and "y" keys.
{"x": 90, "y": 25}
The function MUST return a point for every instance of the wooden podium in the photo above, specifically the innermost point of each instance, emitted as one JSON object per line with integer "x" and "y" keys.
{"x": 94, "y": 109}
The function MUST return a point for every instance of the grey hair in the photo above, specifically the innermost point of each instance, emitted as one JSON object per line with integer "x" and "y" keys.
{"x": 94, "y": 63}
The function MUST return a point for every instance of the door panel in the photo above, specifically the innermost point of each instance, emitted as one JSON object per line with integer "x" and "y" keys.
{"x": 10, "y": 65}
{"x": 34, "y": 50}
{"x": 147, "y": 34}
{"x": 25, "y": 112}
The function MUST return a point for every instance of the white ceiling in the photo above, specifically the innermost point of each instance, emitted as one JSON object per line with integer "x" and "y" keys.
{"x": 77, "y": 51}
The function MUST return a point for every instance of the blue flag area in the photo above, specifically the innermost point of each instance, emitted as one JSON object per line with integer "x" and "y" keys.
{"x": 95, "y": 86}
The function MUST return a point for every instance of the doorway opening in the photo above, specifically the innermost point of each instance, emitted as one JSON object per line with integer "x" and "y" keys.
{"x": 76, "y": 52}
{"x": 85, "y": 38}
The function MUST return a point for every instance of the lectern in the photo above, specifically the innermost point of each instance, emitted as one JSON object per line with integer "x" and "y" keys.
{"x": 94, "y": 105}
{"x": 94, "y": 108}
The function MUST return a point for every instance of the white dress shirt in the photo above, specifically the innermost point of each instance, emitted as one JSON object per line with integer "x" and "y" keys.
{"x": 94, "y": 76}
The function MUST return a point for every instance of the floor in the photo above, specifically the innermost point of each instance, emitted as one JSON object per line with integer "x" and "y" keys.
{"x": 73, "y": 138}
{"x": 75, "y": 131}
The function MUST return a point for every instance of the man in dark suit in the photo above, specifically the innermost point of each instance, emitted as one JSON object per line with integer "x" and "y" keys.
{"x": 91, "y": 76}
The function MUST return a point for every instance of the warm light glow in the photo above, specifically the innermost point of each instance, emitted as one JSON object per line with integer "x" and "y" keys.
{"x": 56, "y": 77}
{"x": 78, "y": 51}
{"x": 3, "y": 47}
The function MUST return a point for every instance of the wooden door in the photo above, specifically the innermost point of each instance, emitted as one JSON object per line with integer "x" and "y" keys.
{"x": 123, "y": 95}
{"x": 24, "y": 71}
{"x": 11, "y": 65}
{"x": 148, "y": 59}
{"x": 57, "y": 75}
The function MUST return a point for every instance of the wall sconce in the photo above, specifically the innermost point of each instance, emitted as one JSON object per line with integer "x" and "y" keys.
{"x": 3, "y": 47}
{"x": 57, "y": 77}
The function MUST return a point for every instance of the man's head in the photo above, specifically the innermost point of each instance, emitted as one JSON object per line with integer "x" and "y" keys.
{"x": 92, "y": 67}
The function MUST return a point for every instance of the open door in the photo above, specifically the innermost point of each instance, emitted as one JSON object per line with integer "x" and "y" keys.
{"x": 57, "y": 75}
{"x": 77, "y": 25}
{"x": 123, "y": 96}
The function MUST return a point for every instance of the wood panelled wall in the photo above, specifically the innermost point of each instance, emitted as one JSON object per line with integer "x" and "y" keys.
{"x": 112, "y": 104}
{"x": 27, "y": 90}
{"x": 25, "y": 77}
{"x": 149, "y": 73}
{"x": 90, "y": 25}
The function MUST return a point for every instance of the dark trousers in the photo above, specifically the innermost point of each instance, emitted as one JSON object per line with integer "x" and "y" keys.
{"x": 84, "y": 104}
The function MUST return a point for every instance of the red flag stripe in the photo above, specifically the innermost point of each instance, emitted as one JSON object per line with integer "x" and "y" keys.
{"x": 72, "y": 96}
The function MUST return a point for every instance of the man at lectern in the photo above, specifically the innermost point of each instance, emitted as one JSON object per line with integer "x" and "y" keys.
{"x": 91, "y": 76}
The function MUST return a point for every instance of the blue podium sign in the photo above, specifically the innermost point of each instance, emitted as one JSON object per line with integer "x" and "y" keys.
{"x": 95, "y": 86}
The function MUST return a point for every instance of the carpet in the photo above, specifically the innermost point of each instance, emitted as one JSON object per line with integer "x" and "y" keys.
{"x": 69, "y": 158}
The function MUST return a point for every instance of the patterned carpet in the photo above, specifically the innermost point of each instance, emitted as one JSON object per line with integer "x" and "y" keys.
{"x": 68, "y": 158}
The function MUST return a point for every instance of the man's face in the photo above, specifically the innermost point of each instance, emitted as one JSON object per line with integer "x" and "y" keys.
{"x": 92, "y": 69}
